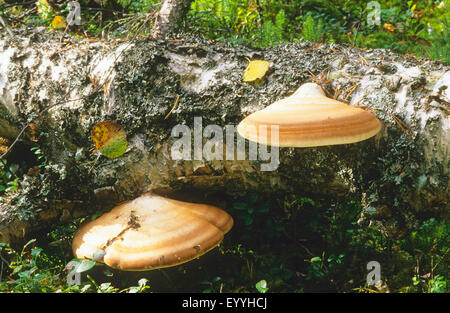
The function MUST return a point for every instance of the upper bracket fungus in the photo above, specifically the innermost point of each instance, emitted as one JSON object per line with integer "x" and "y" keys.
{"x": 152, "y": 232}
{"x": 308, "y": 119}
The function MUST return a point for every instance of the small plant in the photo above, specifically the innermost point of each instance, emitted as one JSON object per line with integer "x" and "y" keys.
{"x": 34, "y": 270}
{"x": 40, "y": 156}
{"x": 29, "y": 273}
{"x": 215, "y": 285}
{"x": 256, "y": 217}
{"x": 312, "y": 30}
{"x": 261, "y": 286}
{"x": 9, "y": 182}
{"x": 321, "y": 267}
{"x": 438, "y": 285}
{"x": 249, "y": 210}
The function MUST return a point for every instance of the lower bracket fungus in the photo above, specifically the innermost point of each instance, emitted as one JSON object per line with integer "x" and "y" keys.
{"x": 152, "y": 232}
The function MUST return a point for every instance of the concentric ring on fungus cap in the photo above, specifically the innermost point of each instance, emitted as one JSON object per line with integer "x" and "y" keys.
{"x": 308, "y": 119}
{"x": 152, "y": 232}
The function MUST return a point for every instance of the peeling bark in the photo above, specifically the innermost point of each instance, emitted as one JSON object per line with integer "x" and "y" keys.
{"x": 170, "y": 14}
{"x": 399, "y": 179}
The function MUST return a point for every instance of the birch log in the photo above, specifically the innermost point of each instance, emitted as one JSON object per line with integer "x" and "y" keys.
{"x": 400, "y": 176}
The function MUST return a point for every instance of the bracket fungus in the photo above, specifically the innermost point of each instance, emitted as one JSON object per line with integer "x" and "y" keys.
{"x": 152, "y": 232}
{"x": 308, "y": 119}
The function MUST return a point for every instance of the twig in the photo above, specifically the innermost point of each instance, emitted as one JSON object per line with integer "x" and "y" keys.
{"x": 362, "y": 58}
{"x": 313, "y": 47}
{"x": 360, "y": 100}
{"x": 401, "y": 124}
{"x": 350, "y": 90}
{"x": 15, "y": 141}
{"x": 173, "y": 108}
{"x": 6, "y": 26}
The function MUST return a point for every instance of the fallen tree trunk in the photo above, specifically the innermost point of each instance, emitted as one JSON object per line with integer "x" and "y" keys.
{"x": 65, "y": 89}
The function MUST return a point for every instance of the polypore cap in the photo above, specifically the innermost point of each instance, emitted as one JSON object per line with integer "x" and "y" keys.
{"x": 308, "y": 119}
{"x": 152, "y": 232}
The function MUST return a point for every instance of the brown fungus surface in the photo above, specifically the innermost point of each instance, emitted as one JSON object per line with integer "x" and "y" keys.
{"x": 308, "y": 119}
{"x": 152, "y": 232}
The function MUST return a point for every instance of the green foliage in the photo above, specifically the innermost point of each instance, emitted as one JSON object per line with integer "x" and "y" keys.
{"x": 312, "y": 30}
{"x": 9, "y": 180}
{"x": 34, "y": 270}
{"x": 31, "y": 270}
{"x": 419, "y": 27}
{"x": 311, "y": 245}
{"x": 40, "y": 156}
{"x": 254, "y": 214}
{"x": 322, "y": 267}
{"x": 261, "y": 286}
{"x": 214, "y": 285}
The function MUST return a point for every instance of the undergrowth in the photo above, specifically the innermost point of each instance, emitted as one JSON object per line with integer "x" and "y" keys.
{"x": 293, "y": 244}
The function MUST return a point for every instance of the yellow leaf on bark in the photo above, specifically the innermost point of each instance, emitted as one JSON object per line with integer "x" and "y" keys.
{"x": 255, "y": 70}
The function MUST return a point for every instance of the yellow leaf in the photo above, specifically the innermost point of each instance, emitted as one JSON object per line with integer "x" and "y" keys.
{"x": 389, "y": 27}
{"x": 256, "y": 70}
{"x": 58, "y": 22}
{"x": 109, "y": 138}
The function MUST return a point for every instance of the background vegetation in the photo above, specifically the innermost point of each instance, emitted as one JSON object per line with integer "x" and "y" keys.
{"x": 290, "y": 244}
{"x": 418, "y": 27}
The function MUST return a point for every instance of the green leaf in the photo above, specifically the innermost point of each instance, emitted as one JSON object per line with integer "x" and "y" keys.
{"x": 264, "y": 208}
{"x": 240, "y": 206}
{"x": 85, "y": 288}
{"x": 26, "y": 245}
{"x": 316, "y": 259}
{"x": 248, "y": 220}
{"x": 13, "y": 168}
{"x": 17, "y": 269}
{"x": 261, "y": 286}
{"x": 142, "y": 282}
{"x": 105, "y": 286}
{"x": 109, "y": 138}
{"x": 109, "y": 273}
{"x": 35, "y": 252}
{"x": 85, "y": 266}
{"x": 25, "y": 274}
{"x": 253, "y": 198}
{"x": 422, "y": 181}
